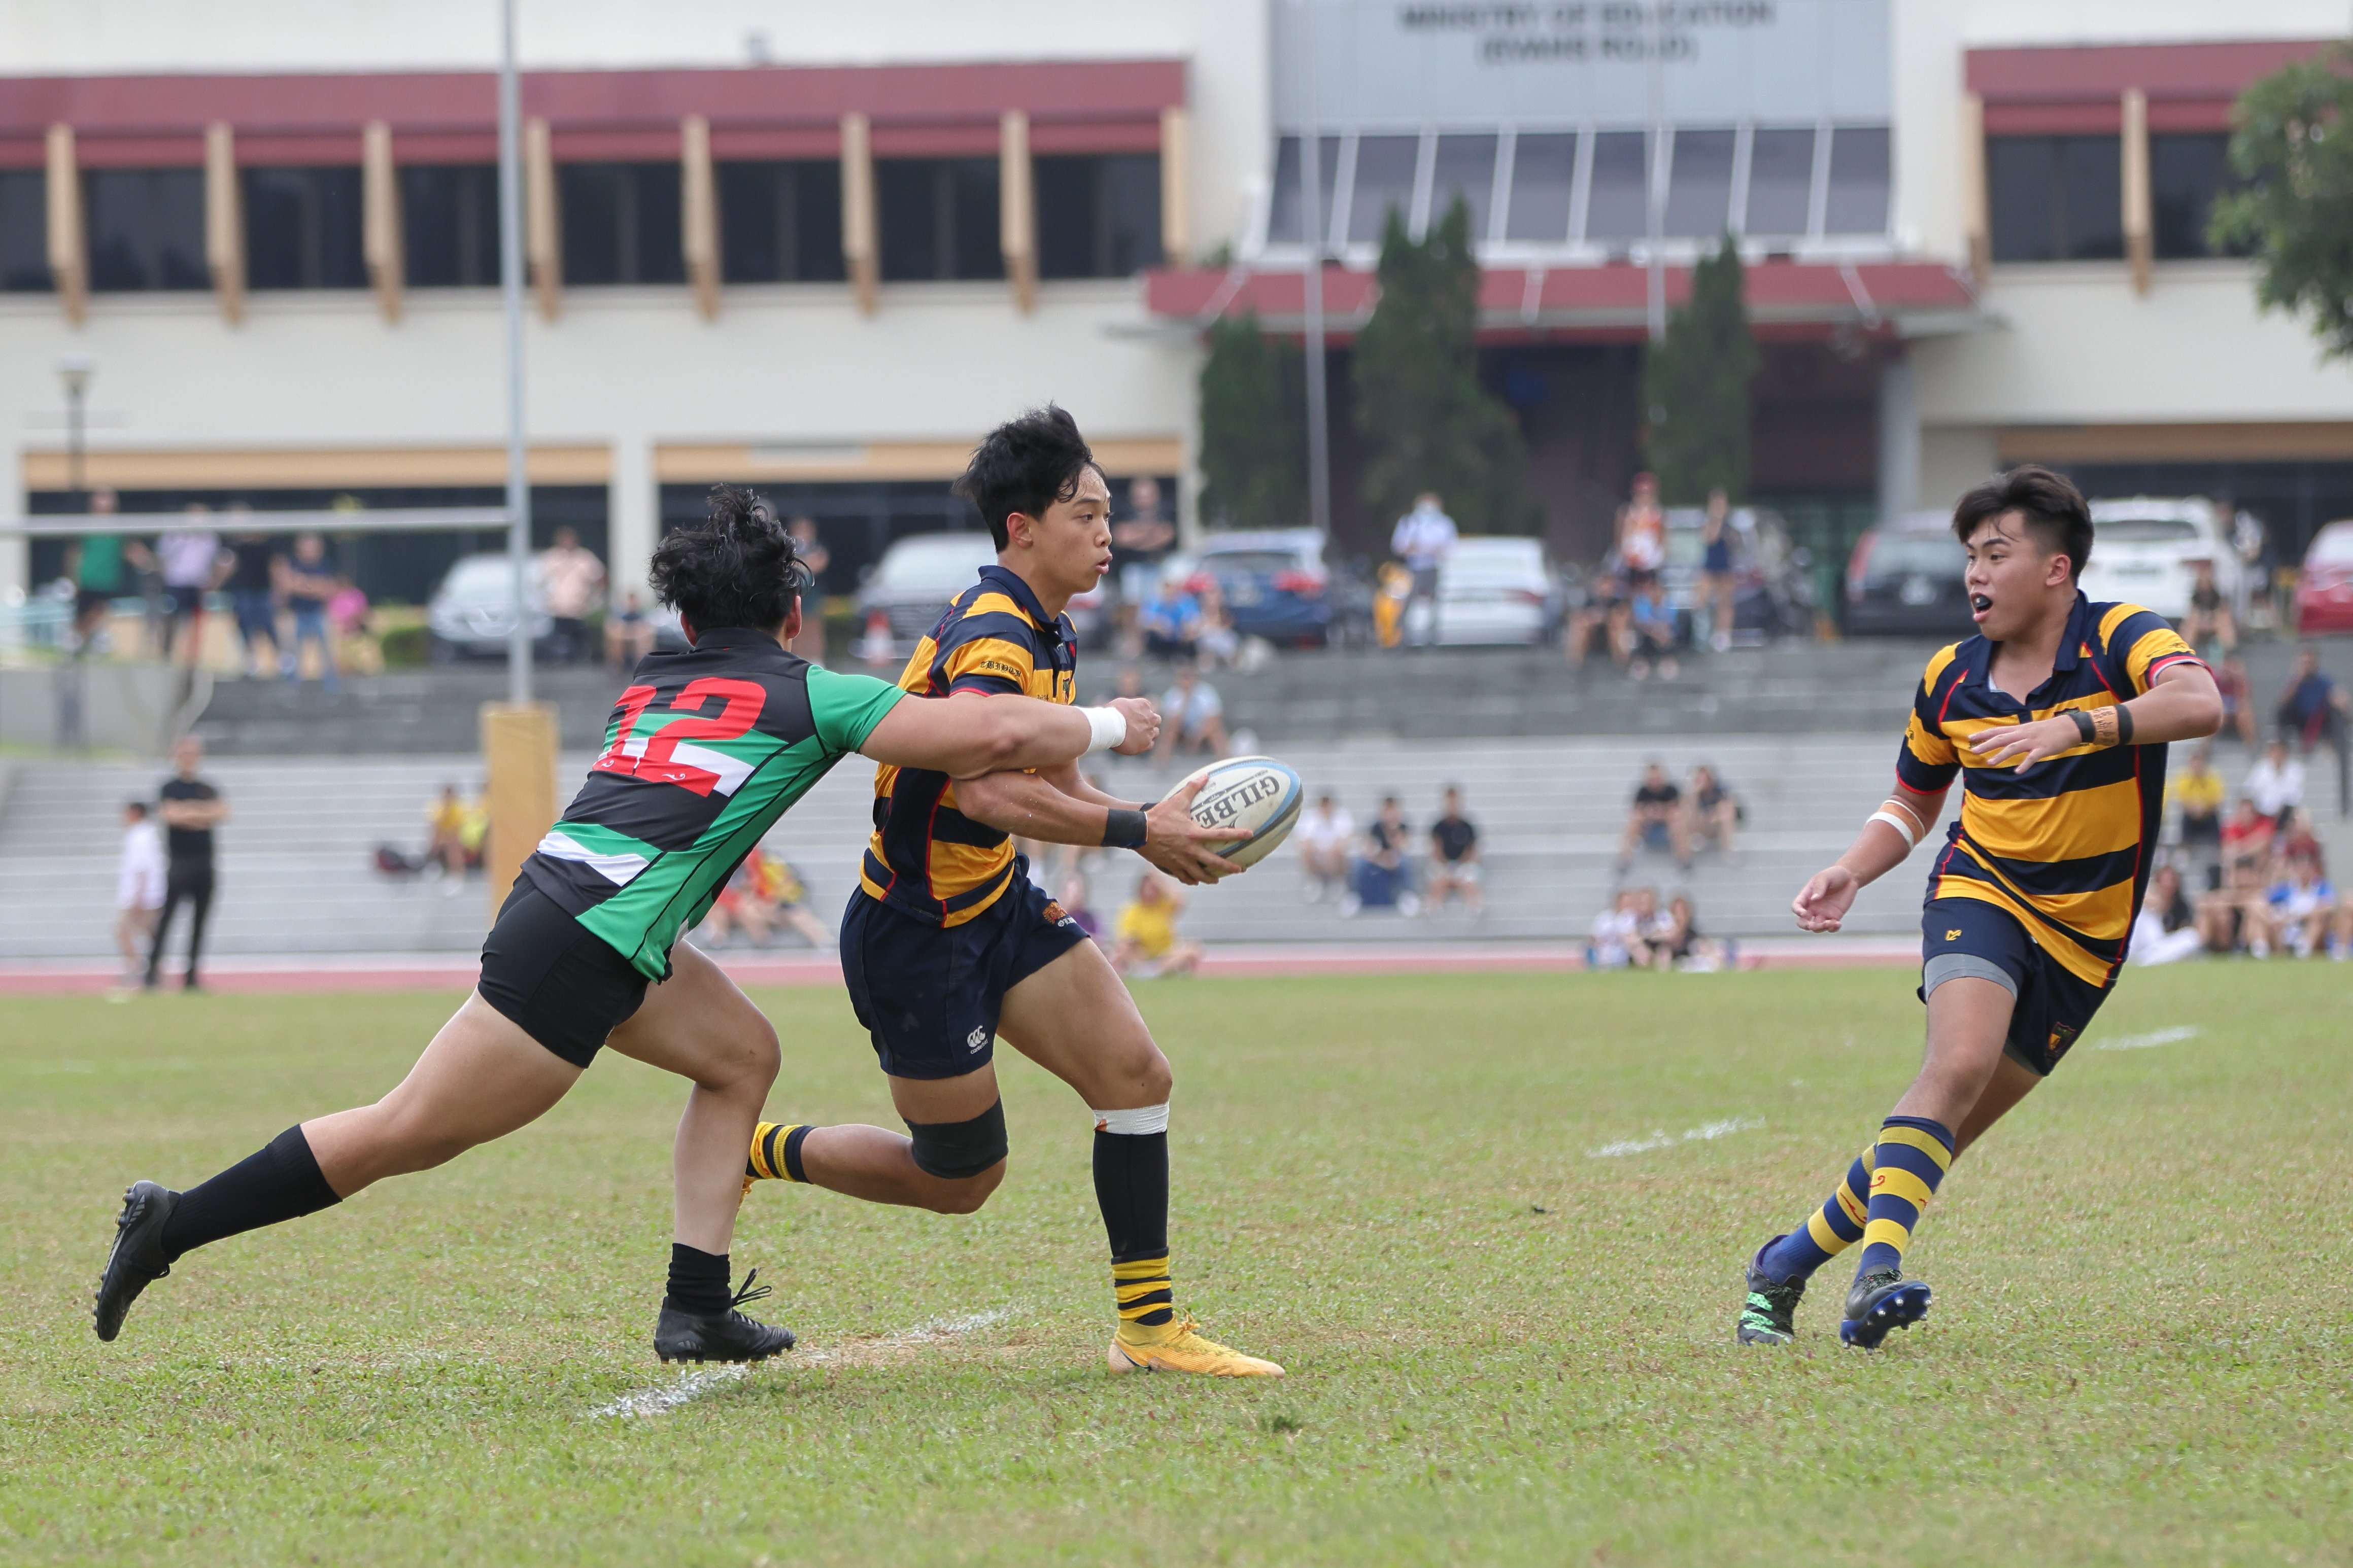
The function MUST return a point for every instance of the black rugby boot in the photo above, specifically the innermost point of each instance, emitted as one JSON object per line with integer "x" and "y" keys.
{"x": 1768, "y": 1315}
{"x": 137, "y": 1255}
{"x": 721, "y": 1336}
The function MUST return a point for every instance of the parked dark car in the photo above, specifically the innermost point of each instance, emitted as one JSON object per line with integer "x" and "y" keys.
{"x": 917, "y": 576}
{"x": 1276, "y": 585}
{"x": 1906, "y": 579}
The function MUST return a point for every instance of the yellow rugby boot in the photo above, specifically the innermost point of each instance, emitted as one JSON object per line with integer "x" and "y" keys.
{"x": 1175, "y": 1347}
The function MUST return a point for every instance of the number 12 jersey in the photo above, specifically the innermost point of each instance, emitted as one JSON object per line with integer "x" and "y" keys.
{"x": 705, "y": 751}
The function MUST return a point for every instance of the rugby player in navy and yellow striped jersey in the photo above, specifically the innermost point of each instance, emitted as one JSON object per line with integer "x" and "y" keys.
{"x": 947, "y": 944}
{"x": 2055, "y": 719}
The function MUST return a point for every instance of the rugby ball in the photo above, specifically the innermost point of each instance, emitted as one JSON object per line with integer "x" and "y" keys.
{"x": 1258, "y": 798}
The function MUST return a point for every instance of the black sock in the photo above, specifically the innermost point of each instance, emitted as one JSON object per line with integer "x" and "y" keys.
{"x": 698, "y": 1281}
{"x": 1132, "y": 1189}
{"x": 270, "y": 1186}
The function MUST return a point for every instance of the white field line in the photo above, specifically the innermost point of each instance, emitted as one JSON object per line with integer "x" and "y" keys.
{"x": 689, "y": 1386}
{"x": 2154, "y": 1037}
{"x": 1700, "y": 1135}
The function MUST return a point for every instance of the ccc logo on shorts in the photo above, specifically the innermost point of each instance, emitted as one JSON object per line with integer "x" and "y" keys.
{"x": 976, "y": 1039}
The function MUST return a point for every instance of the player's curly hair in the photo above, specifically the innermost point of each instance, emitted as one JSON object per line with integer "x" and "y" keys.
{"x": 737, "y": 570}
{"x": 1026, "y": 464}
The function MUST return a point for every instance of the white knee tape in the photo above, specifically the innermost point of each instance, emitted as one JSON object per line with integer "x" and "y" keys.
{"x": 1134, "y": 1123}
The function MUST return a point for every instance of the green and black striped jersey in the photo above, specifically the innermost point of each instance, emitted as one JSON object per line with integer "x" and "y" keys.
{"x": 705, "y": 751}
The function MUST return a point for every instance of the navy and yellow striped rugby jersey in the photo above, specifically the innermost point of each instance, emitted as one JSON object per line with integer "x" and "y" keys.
{"x": 926, "y": 858}
{"x": 2064, "y": 846}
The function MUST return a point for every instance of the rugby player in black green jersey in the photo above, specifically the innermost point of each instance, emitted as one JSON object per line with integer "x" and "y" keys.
{"x": 705, "y": 751}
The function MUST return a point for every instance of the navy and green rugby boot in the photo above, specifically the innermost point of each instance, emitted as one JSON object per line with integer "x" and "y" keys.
{"x": 1881, "y": 1301}
{"x": 1766, "y": 1316}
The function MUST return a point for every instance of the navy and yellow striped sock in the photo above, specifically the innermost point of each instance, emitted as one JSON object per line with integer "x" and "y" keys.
{"x": 776, "y": 1153}
{"x": 1912, "y": 1156}
{"x": 1829, "y": 1231}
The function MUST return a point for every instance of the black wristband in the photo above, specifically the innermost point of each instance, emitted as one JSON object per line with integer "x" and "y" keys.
{"x": 2124, "y": 725}
{"x": 1122, "y": 829}
{"x": 2082, "y": 724}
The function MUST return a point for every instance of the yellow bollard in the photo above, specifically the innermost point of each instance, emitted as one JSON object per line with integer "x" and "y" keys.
{"x": 519, "y": 755}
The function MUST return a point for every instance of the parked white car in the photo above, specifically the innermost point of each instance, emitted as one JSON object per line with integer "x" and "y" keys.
{"x": 1497, "y": 589}
{"x": 2143, "y": 550}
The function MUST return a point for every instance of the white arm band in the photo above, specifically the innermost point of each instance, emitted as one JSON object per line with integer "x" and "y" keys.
{"x": 1110, "y": 726}
{"x": 1911, "y": 830}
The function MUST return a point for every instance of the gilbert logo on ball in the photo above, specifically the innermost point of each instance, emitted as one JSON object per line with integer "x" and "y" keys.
{"x": 1258, "y": 798}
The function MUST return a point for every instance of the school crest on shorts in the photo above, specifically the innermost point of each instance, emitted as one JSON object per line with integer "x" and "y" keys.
{"x": 1055, "y": 914}
{"x": 2061, "y": 1036}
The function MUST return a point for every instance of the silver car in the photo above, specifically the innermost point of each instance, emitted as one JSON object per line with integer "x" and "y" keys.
{"x": 471, "y": 614}
{"x": 1497, "y": 589}
{"x": 2145, "y": 550}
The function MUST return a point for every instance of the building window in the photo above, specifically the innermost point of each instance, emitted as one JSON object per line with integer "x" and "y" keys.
{"x": 781, "y": 222}
{"x": 146, "y": 228}
{"x": 1618, "y": 208}
{"x": 1780, "y": 183}
{"x": 1699, "y": 184}
{"x": 1857, "y": 200}
{"x": 24, "y": 231}
{"x": 2186, "y": 173}
{"x": 449, "y": 226}
{"x": 1098, "y": 217}
{"x": 1384, "y": 183}
{"x": 1285, "y": 218}
{"x": 302, "y": 228}
{"x": 2055, "y": 198}
{"x": 621, "y": 223}
{"x": 1544, "y": 179}
{"x": 939, "y": 218}
{"x": 1464, "y": 170}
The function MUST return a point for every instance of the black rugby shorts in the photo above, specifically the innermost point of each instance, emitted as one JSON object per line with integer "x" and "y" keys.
{"x": 562, "y": 984}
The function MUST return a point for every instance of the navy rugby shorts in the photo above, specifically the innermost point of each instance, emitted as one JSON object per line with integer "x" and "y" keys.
{"x": 929, "y": 995}
{"x": 2049, "y": 1006}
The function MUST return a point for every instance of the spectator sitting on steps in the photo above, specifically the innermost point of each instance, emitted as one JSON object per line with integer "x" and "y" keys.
{"x": 1170, "y": 621}
{"x": 1382, "y": 877}
{"x": 1657, "y": 819}
{"x": 1323, "y": 836}
{"x": 2275, "y": 783}
{"x": 1192, "y": 716}
{"x": 628, "y": 634}
{"x": 2166, "y": 931}
{"x": 1454, "y": 857}
{"x": 1716, "y": 814}
{"x": 1148, "y": 944}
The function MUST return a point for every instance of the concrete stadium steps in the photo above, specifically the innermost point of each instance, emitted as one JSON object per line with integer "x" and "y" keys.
{"x": 296, "y": 871}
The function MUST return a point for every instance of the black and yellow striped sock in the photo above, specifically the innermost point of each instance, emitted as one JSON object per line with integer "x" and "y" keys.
{"x": 1132, "y": 1189}
{"x": 776, "y": 1153}
{"x": 1145, "y": 1290}
{"x": 1831, "y": 1230}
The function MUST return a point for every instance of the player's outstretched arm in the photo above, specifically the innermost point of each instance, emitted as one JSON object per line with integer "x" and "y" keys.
{"x": 1058, "y": 807}
{"x": 1887, "y": 837}
{"x": 966, "y": 736}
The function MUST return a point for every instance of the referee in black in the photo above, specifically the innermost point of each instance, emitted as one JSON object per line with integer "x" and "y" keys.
{"x": 192, "y": 808}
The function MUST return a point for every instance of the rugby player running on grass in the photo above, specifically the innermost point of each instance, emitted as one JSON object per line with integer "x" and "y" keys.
{"x": 2056, "y": 717}
{"x": 947, "y": 944}
{"x": 705, "y": 751}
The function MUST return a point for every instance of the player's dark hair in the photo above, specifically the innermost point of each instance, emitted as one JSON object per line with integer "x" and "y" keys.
{"x": 1025, "y": 465}
{"x": 2053, "y": 510}
{"x": 737, "y": 570}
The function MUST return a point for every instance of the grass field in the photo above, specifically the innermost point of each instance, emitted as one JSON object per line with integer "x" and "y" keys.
{"x": 1464, "y": 1211}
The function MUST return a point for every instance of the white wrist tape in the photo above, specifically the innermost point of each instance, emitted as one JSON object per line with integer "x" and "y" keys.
{"x": 1148, "y": 1120}
{"x": 1905, "y": 825}
{"x": 1110, "y": 726}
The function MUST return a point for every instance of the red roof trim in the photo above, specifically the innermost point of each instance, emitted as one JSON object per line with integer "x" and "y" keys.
{"x": 2100, "y": 73}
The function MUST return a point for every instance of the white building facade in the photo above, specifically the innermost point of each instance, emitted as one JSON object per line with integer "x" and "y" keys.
{"x": 819, "y": 248}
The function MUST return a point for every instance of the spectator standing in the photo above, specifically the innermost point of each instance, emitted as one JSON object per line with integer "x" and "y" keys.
{"x": 1642, "y": 535}
{"x": 1192, "y": 716}
{"x": 1382, "y": 877}
{"x": 2197, "y": 794}
{"x": 1454, "y": 857}
{"x": 1715, "y": 580}
{"x": 1323, "y": 836}
{"x": 1657, "y": 819}
{"x": 101, "y": 566}
{"x": 2165, "y": 930}
{"x": 1424, "y": 540}
{"x": 192, "y": 808}
{"x": 138, "y": 889}
{"x": 253, "y": 596}
{"x": 629, "y": 634}
{"x": 1170, "y": 622}
{"x": 309, "y": 583}
{"x": 811, "y": 551}
{"x": 1147, "y": 939}
{"x": 1141, "y": 540}
{"x": 1716, "y": 813}
{"x": 192, "y": 567}
{"x": 2274, "y": 783}
{"x": 572, "y": 581}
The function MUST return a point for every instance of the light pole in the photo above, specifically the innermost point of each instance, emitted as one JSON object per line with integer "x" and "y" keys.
{"x": 75, "y": 371}
{"x": 511, "y": 289}
{"x": 1311, "y": 185}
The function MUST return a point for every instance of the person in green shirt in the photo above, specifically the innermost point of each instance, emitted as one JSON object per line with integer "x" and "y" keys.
{"x": 705, "y": 751}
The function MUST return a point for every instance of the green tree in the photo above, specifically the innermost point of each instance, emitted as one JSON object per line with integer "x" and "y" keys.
{"x": 1253, "y": 428}
{"x": 1696, "y": 385}
{"x": 2293, "y": 152}
{"x": 1429, "y": 423}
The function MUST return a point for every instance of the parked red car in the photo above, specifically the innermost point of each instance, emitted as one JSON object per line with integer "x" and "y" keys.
{"x": 2324, "y": 589}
